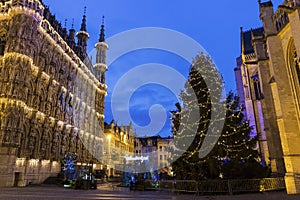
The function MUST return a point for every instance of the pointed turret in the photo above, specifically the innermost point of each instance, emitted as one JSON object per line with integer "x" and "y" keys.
{"x": 64, "y": 31}
{"x": 130, "y": 128}
{"x": 82, "y": 37}
{"x": 83, "y": 23}
{"x": 112, "y": 124}
{"x": 100, "y": 67}
{"x": 71, "y": 37}
{"x": 266, "y": 15}
{"x": 242, "y": 39}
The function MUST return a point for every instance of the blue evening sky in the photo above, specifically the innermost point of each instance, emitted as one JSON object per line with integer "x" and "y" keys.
{"x": 213, "y": 24}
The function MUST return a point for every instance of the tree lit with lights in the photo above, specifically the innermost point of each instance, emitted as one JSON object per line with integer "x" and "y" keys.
{"x": 234, "y": 154}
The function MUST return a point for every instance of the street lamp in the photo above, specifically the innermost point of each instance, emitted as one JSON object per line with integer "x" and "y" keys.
{"x": 108, "y": 151}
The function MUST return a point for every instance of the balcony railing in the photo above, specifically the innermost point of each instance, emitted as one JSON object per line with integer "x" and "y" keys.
{"x": 249, "y": 57}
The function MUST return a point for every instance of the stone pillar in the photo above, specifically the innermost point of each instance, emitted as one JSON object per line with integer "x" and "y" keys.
{"x": 294, "y": 19}
{"x": 269, "y": 115}
{"x": 286, "y": 114}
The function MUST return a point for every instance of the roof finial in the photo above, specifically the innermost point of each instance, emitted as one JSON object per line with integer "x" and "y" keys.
{"x": 72, "y": 23}
{"x": 102, "y": 34}
{"x": 242, "y": 39}
{"x": 84, "y": 13}
{"x": 66, "y": 20}
{"x": 103, "y": 20}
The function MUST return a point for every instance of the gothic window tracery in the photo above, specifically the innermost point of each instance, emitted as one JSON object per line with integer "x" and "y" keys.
{"x": 294, "y": 70}
{"x": 257, "y": 87}
{"x": 293, "y": 62}
{"x": 296, "y": 65}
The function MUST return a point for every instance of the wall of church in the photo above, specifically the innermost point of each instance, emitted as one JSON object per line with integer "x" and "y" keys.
{"x": 284, "y": 58}
{"x": 250, "y": 91}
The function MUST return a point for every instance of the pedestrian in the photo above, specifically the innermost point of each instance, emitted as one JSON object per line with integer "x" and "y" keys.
{"x": 130, "y": 185}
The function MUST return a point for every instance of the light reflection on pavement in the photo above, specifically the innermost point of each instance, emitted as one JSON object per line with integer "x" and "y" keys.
{"x": 112, "y": 192}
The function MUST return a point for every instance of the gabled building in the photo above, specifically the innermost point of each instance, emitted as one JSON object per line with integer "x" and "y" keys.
{"x": 119, "y": 143}
{"x": 156, "y": 148}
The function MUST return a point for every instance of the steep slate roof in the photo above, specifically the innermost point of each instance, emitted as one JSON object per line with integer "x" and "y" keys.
{"x": 266, "y": 4}
{"x": 247, "y": 47}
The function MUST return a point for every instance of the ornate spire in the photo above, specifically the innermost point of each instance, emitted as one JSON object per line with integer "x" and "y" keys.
{"x": 72, "y": 27}
{"x": 102, "y": 34}
{"x": 71, "y": 38}
{"x": 82, "y": 37}
{"x": 66, "y": 20}
{"x": 242, "y": 39}
{"x": 83, "y": 24}
{"x": 100, "y": 66}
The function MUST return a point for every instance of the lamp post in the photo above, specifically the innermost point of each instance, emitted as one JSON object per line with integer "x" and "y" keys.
{"x": 108, "y": 137}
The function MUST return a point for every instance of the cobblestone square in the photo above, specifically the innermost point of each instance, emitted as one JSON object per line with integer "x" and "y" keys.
{"x": 112, "y": 193}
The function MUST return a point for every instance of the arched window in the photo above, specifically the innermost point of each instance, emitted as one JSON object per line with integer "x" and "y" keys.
{"x": 293, "y": 63}
{"x": 257, "y": 87}
{"x": 294, "y": 70}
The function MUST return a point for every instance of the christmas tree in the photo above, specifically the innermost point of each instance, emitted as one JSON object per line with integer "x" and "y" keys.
{"x": 230, "y": 149}
{"x": 236, "y": 149}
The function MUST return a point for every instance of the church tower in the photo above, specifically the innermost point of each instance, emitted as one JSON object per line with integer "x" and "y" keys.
{"x": 82, "y": 37}
{"x": 100, "y": 67}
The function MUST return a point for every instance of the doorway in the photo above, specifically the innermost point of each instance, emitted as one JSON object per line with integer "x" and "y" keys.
{"x": 17, "y": 178}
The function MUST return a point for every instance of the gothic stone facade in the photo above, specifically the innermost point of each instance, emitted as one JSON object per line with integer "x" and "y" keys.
{"x": 281, "y": 77}
{"x": 256, "y": 100}
{"x": 39, "y": 64}
{"x": 275, "y": 60}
